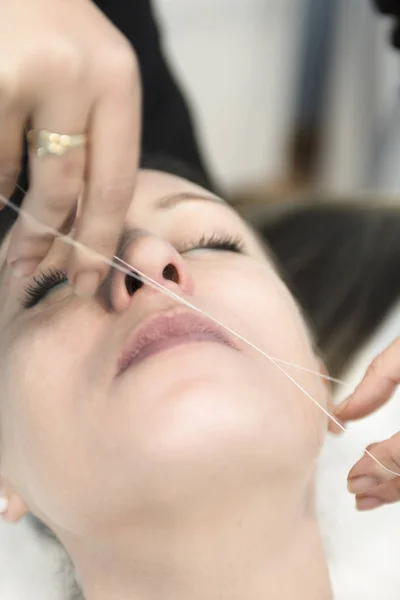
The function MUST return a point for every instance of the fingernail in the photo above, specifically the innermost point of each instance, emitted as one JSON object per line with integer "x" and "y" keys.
{"x": 22, "y": 267}
{"x": 86, "y": 284}
{"x": 362, "y": 484}
{"x": 3, "y": 505}
{"x": 368, "y": 503}
{"x": 340, "y": 408}
{"x": 337, "y": 427}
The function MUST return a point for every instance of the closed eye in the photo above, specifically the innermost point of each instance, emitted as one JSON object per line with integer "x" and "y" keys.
{"x": 42, "y": 285}
{"x": 215, "y": 241}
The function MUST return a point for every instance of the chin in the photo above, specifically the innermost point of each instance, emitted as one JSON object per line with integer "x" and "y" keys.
{"x": 201, "y": 443}
{"x": 201, "y": 418}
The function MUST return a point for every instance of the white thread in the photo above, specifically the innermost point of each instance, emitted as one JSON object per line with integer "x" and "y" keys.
{"x": 273, "y": 360}
{"x": 381, "y": 465}
{"x": 149, "y": 281}
{"x": 158, "y": 286}
{"x": 130, "y": 271}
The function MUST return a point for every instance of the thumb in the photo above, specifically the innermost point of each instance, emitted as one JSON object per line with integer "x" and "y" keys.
{"x": 376, "y": 388}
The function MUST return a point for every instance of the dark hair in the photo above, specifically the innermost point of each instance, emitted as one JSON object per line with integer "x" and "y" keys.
{"x": 342, "y": 264}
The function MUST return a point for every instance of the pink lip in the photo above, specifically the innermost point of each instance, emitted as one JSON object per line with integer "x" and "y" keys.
{"x": 164, "y": 332}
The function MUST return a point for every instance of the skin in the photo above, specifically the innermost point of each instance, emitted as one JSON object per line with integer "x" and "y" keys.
{"x": 372, "y": 485}
{"x": 192, "y": 475}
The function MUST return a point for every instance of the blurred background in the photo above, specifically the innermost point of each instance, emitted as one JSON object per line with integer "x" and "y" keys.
{"x": 289, "y": 95}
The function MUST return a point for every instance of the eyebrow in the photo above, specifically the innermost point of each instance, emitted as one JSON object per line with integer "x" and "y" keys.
{"x": 165, "y": 203}
{"x": 172, "y": 200}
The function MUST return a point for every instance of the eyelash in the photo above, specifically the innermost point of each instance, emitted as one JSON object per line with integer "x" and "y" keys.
{"x": 216, "y": 241}
{"x": 45, "y": 281}
{"x": 42, "y": 284}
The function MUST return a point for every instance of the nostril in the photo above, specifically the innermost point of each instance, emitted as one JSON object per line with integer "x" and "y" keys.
{"x": 170, "y": 273}
{"x": 132, "y": 284}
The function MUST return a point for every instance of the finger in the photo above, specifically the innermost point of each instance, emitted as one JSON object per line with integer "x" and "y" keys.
{"x": 11, "y": 143}
{"x": 388, "y": 492}
{"x": 112, "y": 164}
{"x": 378, "y": 496}
{"x": 379, "y": 383}
{"x": 365, "y": 502}
{"x": 55, "y": 184}
{"x": 367, "y": 475}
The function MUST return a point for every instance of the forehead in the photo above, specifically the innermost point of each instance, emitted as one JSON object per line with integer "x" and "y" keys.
{"x": 155, "y": 190}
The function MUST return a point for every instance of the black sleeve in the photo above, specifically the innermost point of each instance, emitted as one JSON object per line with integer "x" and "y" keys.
{"x": 167, "y": 127}
{"x": 391, "y": 8}
{"x": 167, "y": 124}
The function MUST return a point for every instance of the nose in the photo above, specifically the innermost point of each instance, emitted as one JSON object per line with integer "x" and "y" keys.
{"x": 157, "y": 259}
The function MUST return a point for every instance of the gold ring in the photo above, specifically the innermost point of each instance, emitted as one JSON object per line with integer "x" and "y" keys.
{"x": 55, "y": 144}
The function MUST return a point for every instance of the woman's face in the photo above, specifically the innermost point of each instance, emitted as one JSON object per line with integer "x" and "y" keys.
{"x": 87, "y": 441}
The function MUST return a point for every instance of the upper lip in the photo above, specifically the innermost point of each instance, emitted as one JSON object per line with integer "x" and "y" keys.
{"x": 168, "y": 325}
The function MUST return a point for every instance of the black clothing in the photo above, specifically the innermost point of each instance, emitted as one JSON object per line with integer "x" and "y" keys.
{"x": 167, "y": 127}
{"x": 392, "y": 8}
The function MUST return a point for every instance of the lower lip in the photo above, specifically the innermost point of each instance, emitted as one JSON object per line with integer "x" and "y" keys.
{"x": 171, "y": 342}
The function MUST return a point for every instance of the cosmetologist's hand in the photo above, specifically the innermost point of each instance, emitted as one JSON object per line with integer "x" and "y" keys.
{"x": 373, "y": 485}
{"x": 65, "y": 68}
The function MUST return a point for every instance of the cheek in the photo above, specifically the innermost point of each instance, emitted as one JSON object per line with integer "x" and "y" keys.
{"x": 254, "y": 302}
{"x": 38, "y": 392}
{"x": 251, "y": 299}
{"x": 42, "y": 416}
